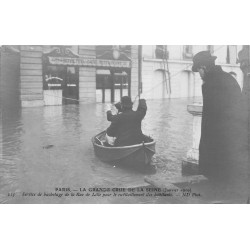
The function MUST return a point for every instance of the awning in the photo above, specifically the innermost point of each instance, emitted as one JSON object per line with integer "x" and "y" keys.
{"x": 121, "y": 74}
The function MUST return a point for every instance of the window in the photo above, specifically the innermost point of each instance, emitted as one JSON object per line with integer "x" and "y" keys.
{"x": 161, "y": 52}
{"x": 188, "y": 52}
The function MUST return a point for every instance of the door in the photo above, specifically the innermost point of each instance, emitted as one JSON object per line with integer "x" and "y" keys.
{"x": 52, "y": 84}
{"x": 120, "y": 86}
{"x": 158, "y": 90}
{"x": 70, "y": 91}
{"x": 61, "y": 85}
{"x": 187, "y": 84}
{"x": 103, "y": 86}
{"x": 111, "y": 85}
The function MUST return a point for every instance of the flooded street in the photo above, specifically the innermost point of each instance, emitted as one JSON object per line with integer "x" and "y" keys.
{"x": 50, "y": 147}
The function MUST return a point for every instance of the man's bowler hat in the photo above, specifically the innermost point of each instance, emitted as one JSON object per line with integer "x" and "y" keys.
{"x": 202, "y": 58}
{"x": 126, "y": 102}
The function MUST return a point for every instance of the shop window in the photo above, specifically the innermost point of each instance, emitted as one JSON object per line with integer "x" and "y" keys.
{"x": 103, "y": 79}
{"x": 188, "y": 52}
{"x": 53, "y": 77}
{"x": 161, "y": 52}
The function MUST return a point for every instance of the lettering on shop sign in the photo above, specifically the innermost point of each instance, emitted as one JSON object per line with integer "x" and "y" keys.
{"x": 48, "y": 78}
{"x": 89, "y": 62}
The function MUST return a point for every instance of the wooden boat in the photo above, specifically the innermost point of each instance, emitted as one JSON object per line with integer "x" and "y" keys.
{"x": 134, "y": 155}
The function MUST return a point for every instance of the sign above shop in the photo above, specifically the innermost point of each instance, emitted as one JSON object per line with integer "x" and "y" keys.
{"x": 89, "y": 62}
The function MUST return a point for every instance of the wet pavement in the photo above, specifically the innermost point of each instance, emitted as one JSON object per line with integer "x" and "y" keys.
{"x": 50, "y": 147}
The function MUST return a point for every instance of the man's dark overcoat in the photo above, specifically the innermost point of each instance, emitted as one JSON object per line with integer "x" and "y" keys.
{"x": 222, "y": 129}
{"x": 126, "y": 126}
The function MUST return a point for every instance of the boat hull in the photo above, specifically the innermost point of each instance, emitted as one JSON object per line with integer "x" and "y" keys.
{"x": 139, "y": 154}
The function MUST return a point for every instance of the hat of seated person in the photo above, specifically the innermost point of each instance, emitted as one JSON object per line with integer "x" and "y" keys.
{"x": 202, "y": 58}
{"x": 126, "y": 102}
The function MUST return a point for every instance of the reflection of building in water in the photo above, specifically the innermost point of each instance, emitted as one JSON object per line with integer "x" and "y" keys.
{"x": 59, "y": 75}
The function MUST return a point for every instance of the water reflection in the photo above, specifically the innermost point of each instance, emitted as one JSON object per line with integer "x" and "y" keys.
{"x": 171, "y": 126}
{"x": 11, "y": 131}
{"x": 49, "y": 147}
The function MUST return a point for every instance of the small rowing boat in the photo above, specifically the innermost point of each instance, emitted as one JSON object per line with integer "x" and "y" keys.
{"x": 134, "y": 155}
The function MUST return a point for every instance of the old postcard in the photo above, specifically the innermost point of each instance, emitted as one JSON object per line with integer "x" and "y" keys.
{"x": 154, "y": 124}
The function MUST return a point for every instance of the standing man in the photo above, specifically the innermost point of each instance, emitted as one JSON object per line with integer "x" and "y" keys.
{"x": 222, "y": 133}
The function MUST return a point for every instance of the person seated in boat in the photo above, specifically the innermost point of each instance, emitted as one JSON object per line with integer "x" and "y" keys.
{"x": 109, "y": 140}
{"x": 109, "y": 112}
{"x": 126, "y": 126}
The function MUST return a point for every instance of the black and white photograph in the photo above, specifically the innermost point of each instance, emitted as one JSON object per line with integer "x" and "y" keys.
{"x": 124, "y": 124}
{"x": 120, "y": 124}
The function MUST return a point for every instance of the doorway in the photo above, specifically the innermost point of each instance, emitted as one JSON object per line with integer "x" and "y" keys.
{"x": 70, "y": 91}
{"x": 61, "y": 85}
{"x": 111, "y": 85}
{"x": 159, "y": 85}
{"x": 187, "y": 86}
{"x": 103, "y": 85}
{"x": 120, "y": 85}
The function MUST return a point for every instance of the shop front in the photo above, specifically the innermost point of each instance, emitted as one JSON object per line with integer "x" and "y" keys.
{"x": 113, "y": 79}
{"x": 60, "y": 79}
{"x": 111, "y": 85}
{"x": 61, "y": 75}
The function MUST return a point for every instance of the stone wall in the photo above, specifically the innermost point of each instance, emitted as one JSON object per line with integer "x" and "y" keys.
{"x": 183, "y": 83}
{"x": 31, "y": 80}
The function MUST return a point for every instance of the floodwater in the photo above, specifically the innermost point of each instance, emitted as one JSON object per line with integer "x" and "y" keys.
{"x": 45, "y": 148}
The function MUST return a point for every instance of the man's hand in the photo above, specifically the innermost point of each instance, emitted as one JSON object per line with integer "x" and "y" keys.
{"x": 142, "y": 96}
{"x": 118, "y": 106}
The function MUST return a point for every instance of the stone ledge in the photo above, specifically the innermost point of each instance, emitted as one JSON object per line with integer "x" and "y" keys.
{"x": 190, "y": 167}
{"x": 195, "y": 109}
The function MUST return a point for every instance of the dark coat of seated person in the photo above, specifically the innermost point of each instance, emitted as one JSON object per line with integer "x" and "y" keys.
{"x": 126, "y": 126}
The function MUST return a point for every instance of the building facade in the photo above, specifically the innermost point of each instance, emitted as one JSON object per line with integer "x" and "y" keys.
{"x": 36, "y": 75}
{"x": 166, "y": 69}
{"x": 59, "y": 75}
